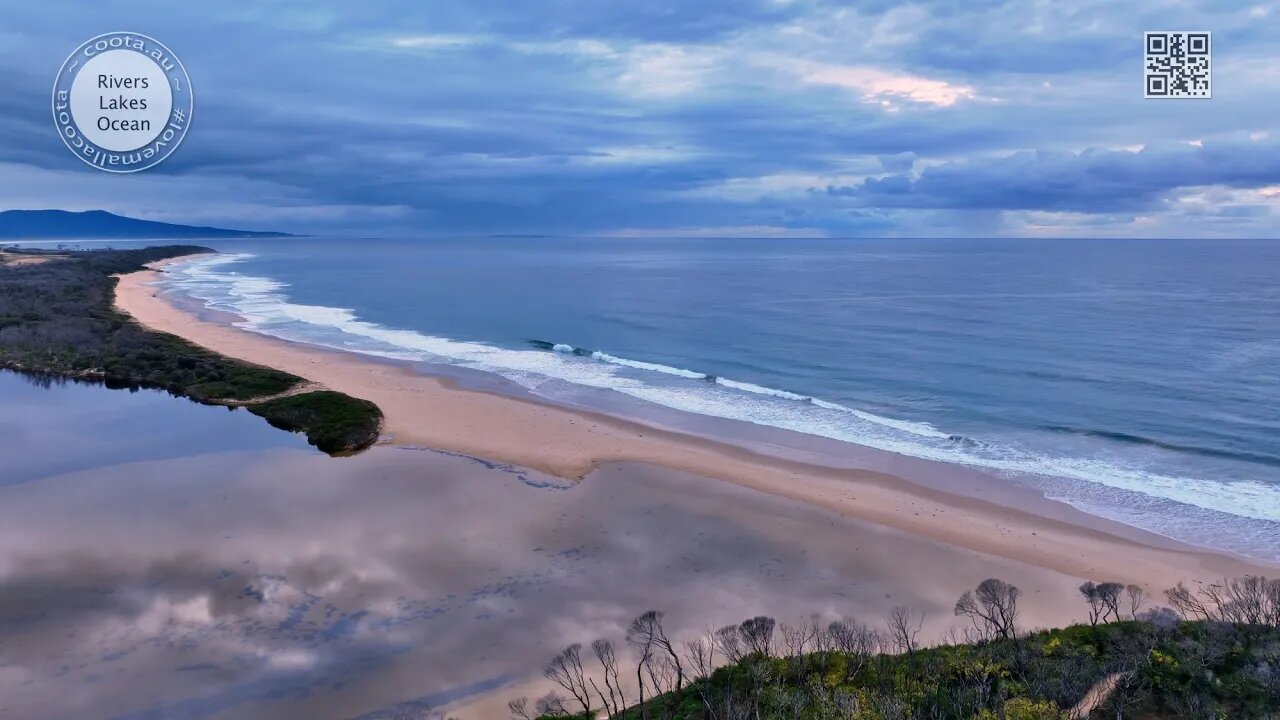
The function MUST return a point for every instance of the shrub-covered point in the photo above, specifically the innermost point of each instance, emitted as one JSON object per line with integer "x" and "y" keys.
{"x": 1214, "y": 656}
{"x": 58, "y": 317}
{"x": 330, "y": 419}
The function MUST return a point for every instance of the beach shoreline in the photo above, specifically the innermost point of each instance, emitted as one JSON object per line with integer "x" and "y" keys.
{"x": 569, "y": 443}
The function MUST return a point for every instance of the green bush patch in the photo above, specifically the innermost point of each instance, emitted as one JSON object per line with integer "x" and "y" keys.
{"x": 58, "y": 318}
{"x": 335, "y": 423}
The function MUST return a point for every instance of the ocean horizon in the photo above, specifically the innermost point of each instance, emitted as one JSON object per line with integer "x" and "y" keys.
{"x": 1012, "y": 357}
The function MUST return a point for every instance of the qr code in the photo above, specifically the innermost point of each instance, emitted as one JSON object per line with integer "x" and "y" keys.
{"x": 1177, "y": 65}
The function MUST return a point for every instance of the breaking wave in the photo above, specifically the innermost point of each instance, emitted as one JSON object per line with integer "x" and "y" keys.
{"x": 544, "y": 366}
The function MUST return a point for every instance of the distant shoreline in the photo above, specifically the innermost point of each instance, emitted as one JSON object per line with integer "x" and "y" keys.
{"x": 569, "y": 443}
{"x": 19, "y": 225}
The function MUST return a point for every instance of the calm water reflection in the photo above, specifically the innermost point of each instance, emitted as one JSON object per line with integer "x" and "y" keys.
{"x": 51, "y": 426}
{"x": 159, "y": 559}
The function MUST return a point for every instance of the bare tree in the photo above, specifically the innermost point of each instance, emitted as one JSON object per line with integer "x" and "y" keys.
{"x": 700, "y": 654}
{"x": 757, "y": 635}
{"x": 662, "y": 675}
{"x": 992, "y": 608}
{"x": 904, "y": 628}
{"x": 1089, "y": 590}
{"x": 552, "y": 705}
{"x": 643, "y": 643}
{"x": 1137, "y": 598}
{"x": 1248, "y": 600}
{"x": 852, "y": 637}
{"x": 616, "y": 701}
{"x": 821, "y": 637}
{"x": 729, "y": 641}
{"x": 648, "y": 627}
{"x": 1103, "y": 599}
{"x": 1110, "y": 594}
{"x": 519, "y": 709}
{"x": 659, "y": 656}
{"x": 857, "y": 641}
{"x": 796, "y": 638}
{"x": 1187, "y": 603}
{"x": 566, "y": 671}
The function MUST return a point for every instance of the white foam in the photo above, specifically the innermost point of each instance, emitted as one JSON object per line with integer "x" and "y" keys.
{"x": 761, "y": 390}
{"x": 915, "y": 428}
{"x": 265, "y": 308}
{"x": 652, "y": 367}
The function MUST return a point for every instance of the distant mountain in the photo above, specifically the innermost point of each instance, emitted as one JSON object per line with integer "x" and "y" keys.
{"x": 16, "y": 224}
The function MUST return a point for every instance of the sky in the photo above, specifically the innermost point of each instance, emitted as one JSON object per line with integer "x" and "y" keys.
{"x": 787, "y": 118}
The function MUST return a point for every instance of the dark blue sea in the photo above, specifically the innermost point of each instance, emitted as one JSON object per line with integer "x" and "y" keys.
{"x": 1136, "y": 379}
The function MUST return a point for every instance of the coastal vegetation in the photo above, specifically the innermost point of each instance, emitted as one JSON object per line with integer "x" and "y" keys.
{"x": 1211, "y": 653}
{"x": 57, "y": 317}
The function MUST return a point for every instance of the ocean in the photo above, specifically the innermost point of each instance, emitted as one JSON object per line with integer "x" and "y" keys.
{"x": 1138, "y": 380}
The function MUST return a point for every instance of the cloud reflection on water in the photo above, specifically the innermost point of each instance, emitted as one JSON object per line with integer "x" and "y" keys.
{"x": 282, "y": 583}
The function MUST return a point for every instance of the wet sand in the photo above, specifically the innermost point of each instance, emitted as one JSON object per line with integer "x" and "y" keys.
{"x": 182, "y": 561}
{"x": 285, "y": 584}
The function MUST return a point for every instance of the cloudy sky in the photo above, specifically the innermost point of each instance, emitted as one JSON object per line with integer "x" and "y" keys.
{"x": 689, "y": 117}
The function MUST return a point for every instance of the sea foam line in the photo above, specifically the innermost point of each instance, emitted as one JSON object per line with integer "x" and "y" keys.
{"x": 916, "y": 428}
{"x": 266, "y": 309}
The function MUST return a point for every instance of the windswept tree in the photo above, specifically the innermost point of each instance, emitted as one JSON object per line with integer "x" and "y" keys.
{"x": 1110, "y": 593}
{"x": 1103, "y": 600}
{"x": 1188, "y": 604}
{"x": 904, "y": 627}
{"x": 616, "y": 701}
{"x": 566, "y": 671}
{"x": 643, "y": 644}
{"x": 700, "y": 655}
{"x": 757, "y": 635}
{"x": 519, "y": 709}
{"x": 1248, "y": 600}
{"x": 992, "y": 608}
{"x": 647, "y": 635}
{"x": 1137, "y": 598}
{"x": 1158, "y": 666}
{"x": 729, "y": 642}
{"x": 1089, "y": 591}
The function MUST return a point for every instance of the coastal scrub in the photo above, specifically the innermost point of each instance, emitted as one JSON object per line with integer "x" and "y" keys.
{"x": 57, "y": 317}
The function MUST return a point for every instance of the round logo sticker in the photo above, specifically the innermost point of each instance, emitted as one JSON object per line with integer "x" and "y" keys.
{"x": 122, "y": 102}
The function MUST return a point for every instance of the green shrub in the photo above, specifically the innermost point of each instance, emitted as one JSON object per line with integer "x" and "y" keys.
{"x": 59, "y": 318}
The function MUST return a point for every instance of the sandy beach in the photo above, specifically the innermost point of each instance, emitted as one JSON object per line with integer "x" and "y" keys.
{"x": 436, "y": 413}
{"x": 186, "y": 561}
